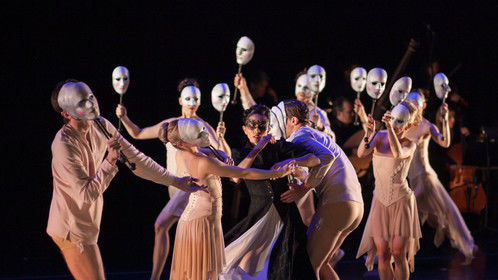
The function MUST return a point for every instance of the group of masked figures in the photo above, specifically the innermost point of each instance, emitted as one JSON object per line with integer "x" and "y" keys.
{"x": 305, "y": 196}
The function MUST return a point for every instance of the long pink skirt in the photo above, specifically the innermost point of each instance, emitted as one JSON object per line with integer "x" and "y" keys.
{"x": 397, "y": 219}
{"x": 437, "y": 208}
{"x": 199, "y": 249}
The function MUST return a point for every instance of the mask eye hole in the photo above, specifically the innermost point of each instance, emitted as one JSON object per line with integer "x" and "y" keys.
{"x": 118, "y": 79}
{"x": 125, "y": 79}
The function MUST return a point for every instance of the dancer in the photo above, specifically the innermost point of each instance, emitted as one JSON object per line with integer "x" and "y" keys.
{"x": 340, "y": 205}
{"x": 318, "y": 117}
{"x": 392, "y": 229}
{"x": 81, "y": 175}
{"x": 434, "y": 204}
{"x": 199, "y": 248}
{"x": 190, "y": 100}
{"x": 270, "y": 227}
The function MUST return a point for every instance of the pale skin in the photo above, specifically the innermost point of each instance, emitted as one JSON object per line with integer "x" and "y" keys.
{"x": 390, "y": 143}
{"x": 88, "y": 263}
{"x": 165, "y": 220}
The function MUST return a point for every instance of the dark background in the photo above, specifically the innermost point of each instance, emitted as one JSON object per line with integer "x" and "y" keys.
{"x": 161, "y": 44}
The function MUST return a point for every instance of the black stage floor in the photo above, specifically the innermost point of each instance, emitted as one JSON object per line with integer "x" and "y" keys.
{"x": 431, "y": 263}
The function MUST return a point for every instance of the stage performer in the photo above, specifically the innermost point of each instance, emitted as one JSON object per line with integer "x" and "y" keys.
{"x": 434, "y": 203}
{"x": 189, "y": 100}
{"x": 392, "y": 229}
{"x": 198, "y": 252}
{"x": 81, "y": 174}
{"x": 271, "y": 227}
{"x": 340, "y": 205}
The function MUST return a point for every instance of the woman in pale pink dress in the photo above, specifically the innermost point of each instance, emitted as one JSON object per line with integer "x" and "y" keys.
{"x": 178, "y": 198}
{"x": 434, "y": 204}
{"x": 198, "y": 252}
{"x": 392, "y": 230}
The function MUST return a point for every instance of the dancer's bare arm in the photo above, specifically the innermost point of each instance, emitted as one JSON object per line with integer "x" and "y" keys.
{"x": 134, "y": 130}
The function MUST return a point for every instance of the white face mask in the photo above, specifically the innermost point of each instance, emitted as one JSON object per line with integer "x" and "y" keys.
{"x": 358, "y": 79}
{"x": 220, "y": 96}
{"x": 317, "y": 78}
{"x": 278, "y": 120}
{"x": 244, "y": 50}
{"x": 400, "y": 90}
{"x": 376, "y": 82}
{"x": 302, "y": 85}
{"x": 417, "y": 99}
{"x": 120, "y": 79}
{"x": 193, "y": 131}
{"x": 441, "y": 85}
{"x": 191, "y": 96}
{"x": 77, "y": 100}
{"x": 401, "y": 116}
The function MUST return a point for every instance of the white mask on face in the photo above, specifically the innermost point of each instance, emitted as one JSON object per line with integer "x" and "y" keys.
{"x": 401, "y": 116}
{"x": 193, "y": 131}
{"x": 441, "y": 85}
{"x": 358, "y": 79}
{"x": 302, "y": 85}
{"x": 278, "y": 119}
{"x": 220, "y": 96}
{"x": 417, "y": 99}
{"x": 191, "y": 96}
{"x": 376, "y": 82}
{"x": 317, "y": 78}
{"x": 77, "y": 100}
{"x": 244, "y": 50}
{"x": 400, "y": 90}
{"x": 120, "y": 79}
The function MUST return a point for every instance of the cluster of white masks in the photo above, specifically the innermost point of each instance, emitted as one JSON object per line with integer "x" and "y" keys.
{"x": 191, "y": 96}
{"x": 376, "y": 82}
{"x": 358, "y": 79}
{"x": 417, "y": 99}
{"x": 120, "y": 79}
{"x": 400, "y": 90}
{"x": 193, "y": 131}
{"x": 278, "y": 120}
{"x": 77, "y": 100}
{"x": 401, "y": 116}
{"x": 317, "y": 78}
{"x": 244, "y": 50}
{"x": 220, "y": 96}
{"x": 441, "y": 85}
{"x": 302, "y": 85}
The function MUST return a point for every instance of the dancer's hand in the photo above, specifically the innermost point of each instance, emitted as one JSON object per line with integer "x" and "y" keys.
{"x": 444, "y": 111}
{"x": 264, "y": 141}
{"x": 220, "y": 129}
{"x": 300, "y": 174}
{"x": 387, "y": 119}
{"x": 360, "y": 110}
{"x": 113, "y": 148}
{"x": 121, "y": 111}
{"x": 370, "y": 124}
{"x": 315, "y": 119}
{"x": 296, "y": 192}
{"x": 240, "y": 82}
{"x": 285, "y": 170}
{"x": 280, "y": 165}
{"x": 229, "y": 161}
{"x": 189, "y": 184}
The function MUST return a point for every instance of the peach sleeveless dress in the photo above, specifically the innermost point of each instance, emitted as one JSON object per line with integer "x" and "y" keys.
{"x": 434, "y": 203}
{"x": 393, "y": 211}
{"x": 199, "y": 246}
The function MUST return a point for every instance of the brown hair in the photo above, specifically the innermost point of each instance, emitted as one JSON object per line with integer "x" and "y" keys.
{"x": 413, "y": 111}
{"x": 187, "y": 82}
{"x": 55, "y": 95}
{"x": 298, "y": 109}
{"x": 302, "y": 72}
{"x": 169, "y": 133}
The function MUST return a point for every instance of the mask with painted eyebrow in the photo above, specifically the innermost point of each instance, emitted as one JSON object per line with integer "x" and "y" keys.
{"x": 120, "y": 79}
{"x": 244, "y": 50}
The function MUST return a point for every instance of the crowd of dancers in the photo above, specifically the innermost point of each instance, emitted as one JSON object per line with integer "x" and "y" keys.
{"x": 305, "y": 195}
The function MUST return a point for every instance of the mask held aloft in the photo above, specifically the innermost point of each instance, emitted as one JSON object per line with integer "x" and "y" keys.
{"x": 243, "y": 53}
{"x": 358, "y": 81}
{"x": 120, "y": 83}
